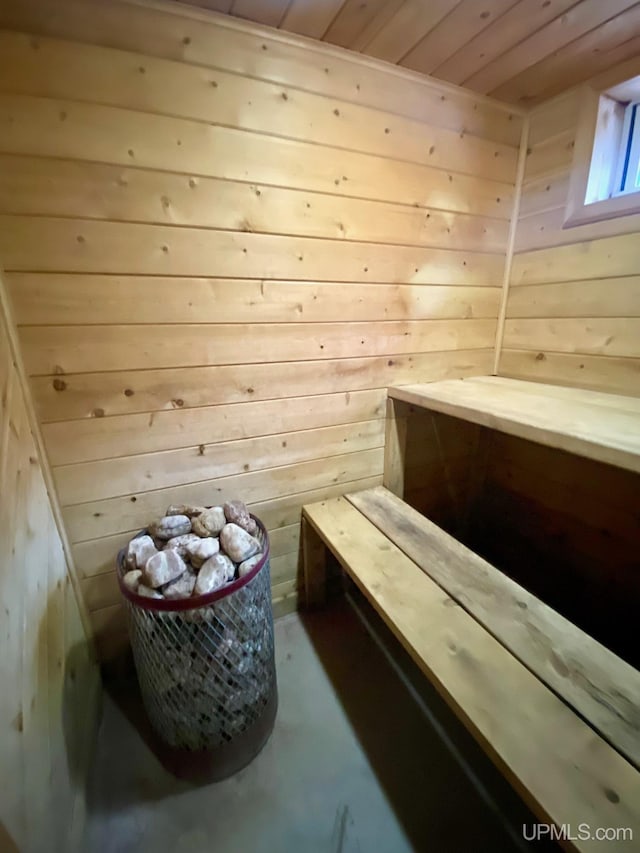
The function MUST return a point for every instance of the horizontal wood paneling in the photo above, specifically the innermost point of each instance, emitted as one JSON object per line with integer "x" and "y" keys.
{"x": 203, "y": 40}
{"x": 550, "y": 155}
{"x": 97, "y": 555}
{"x": 106, "y": 438}
{"x": 90, "y": 481}
{"x": 90, "y": 132}
{"x": 112, "y": 515}
{"x": 609, "y": 257}
{"x": 40, "y": 244}
{"x": 91, "y": 395}
{"x": 221, "y": 246}
{"x": 606, "y": 297}
{"x": 94, "y": 299}
{"x": 110, "y": 626}
{"x": 31, "y": 185}
{"x": 77, "y": 349}
{"x": 573, "y": 311}
{"x": 615, "y": 375}
{"x": 547, "y": 229}
{"x": 517, "y": 50}
{"x": 547, "y": 193}
{"x": 546, "y": 183}
{"x": 617, "y": 336}
{"x": 554, "y": 118}
{"x": 49, "y": 698}
{"x": 77, "y": 72}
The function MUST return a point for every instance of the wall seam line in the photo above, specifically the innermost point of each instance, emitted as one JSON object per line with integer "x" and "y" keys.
{"x": 513, "y": 226}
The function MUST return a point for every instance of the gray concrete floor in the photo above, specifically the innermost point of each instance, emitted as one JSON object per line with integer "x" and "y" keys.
{"x": 364, "y": 758}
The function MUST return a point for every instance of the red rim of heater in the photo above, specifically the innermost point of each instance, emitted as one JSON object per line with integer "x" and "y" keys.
{"x": 193, "y": 601}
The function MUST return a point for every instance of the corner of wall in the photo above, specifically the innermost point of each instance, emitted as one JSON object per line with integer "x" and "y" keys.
{"x": 49, "y": 654}
{"x": 513, "y": 225}
{"x": 34, "y": 426}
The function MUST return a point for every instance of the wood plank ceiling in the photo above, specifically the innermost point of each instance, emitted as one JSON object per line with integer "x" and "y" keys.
{"x": 522, "y": 51}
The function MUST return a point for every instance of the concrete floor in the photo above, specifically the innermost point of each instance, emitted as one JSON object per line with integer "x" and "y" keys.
{"x": 364, "y": 758}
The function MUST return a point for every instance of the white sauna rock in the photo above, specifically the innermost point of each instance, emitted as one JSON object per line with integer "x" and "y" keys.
{"x": 210, "y": 522}
{"x": 237, "y": 543}
{"x": 236, "y": 512}
{"x": 181, "y": 543}
{"x": 226, "y": 563}
{"x": 184, "y": 509}
{"x": 182, "y": 587}
{"x": 132, "y": 579}
{"x": 200, "y": 550}
{"x": 170, "y": 526}
{"x": 139, "y": 550}
{"x": 249, "y": 565}
{"x": 212, "y": 575}
{"x": 230, "y": 567}
{"x": 163, "y": 567}
{"x": 147, "y": 592}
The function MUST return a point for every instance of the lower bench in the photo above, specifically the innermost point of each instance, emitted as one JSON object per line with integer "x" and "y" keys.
{"x": 512, "y": 669}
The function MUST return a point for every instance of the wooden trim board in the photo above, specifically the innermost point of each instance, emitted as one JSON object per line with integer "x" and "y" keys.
{"x": 511, "y": 240}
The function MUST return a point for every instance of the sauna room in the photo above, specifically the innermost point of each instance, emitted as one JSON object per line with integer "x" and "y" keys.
{"x": 320, "y": 426}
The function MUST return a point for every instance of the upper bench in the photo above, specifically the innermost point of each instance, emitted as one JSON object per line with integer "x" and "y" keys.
{"x": 604, "y": 427}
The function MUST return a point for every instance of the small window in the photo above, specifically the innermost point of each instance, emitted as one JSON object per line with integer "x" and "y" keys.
{"x": 605, "y": 175}
{"x": 628, "y": 172}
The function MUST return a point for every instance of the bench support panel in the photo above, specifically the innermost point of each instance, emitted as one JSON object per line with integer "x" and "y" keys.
{"x": 314, "y": 556}
{"x": 395, "y": 441}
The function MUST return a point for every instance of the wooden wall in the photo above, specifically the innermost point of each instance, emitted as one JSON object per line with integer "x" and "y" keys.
{"x": 573, "y": 312}
{"x": 221, "y": 246}
{"x": 48, "y": 682}
{"x": 516, "y": 50}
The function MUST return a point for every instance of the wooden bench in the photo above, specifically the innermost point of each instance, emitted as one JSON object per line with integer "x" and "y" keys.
{"x": 557, "y": 712}
{"x": 604, "y": 427}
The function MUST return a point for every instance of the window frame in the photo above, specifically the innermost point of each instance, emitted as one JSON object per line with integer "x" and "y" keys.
{"x": 592, "y": 195}
{"x": 628, "y": 171}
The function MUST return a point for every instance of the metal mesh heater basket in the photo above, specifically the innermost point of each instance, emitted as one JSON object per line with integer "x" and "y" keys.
{"x": 206, "y": 671}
